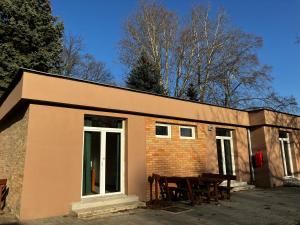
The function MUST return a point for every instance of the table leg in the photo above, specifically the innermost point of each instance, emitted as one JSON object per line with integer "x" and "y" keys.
{"x": 216, "y": 192}
{"x": 190, "y": 192}
{"x": 208, "y": 193}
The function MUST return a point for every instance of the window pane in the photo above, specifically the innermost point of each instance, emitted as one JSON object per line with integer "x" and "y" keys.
{"x": 223, "y": 132}
{"x": 228, "y": 158}
{"x": 186, "y": 132}
{"x": 282, "y": 134}
{"x": 161, "y": 130}
{"x": 102, "y": 121}
{"x": 287, "y": 159}
{"x": 91, "y": 163}
{"x": 220, "y": 158}
{"x": 113, "y": 162}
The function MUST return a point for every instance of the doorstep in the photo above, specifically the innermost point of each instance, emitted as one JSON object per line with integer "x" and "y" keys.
{"x": 238, "y": 185}
{"x": 95, "y": 207}
{"x": 291, "y": 181}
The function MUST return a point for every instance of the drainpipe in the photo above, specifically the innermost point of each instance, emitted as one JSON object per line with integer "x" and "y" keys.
{"x": 250, "y": 157}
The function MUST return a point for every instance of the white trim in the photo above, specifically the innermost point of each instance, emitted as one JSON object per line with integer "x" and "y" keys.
{"x": 103, "y": 131}
{"x": 250, "y": 154}
{"x": 188, "y": 127}
{"x": 232, "y": 154}
{"x": 164, "y": 125}
{"x": 230, "y": 139}
{"x": 282, "y": 140}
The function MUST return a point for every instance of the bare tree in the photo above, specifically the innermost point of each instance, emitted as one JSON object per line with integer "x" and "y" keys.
{"x": 210, "y": 60}
{"x": 239, "y": 74}
{"x": 151, "y": 29}
{"x": 83, "y": 66}
{"x": 199, "y": 43}
{"x": 71, "y": 55}
{"x": 92, "y": 70}
{"x": 184, "y": 55}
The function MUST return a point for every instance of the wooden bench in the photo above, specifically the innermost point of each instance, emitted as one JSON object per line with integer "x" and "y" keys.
{"x": 168, "y": 188}
{"x": 223, "y": 190}
{"x": 3, "y": 193}
{"x": 159, "y": 188}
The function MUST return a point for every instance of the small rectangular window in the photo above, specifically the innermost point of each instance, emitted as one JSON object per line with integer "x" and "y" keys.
{"x": 163, "y": 130}
{"x": 187, "y": 132}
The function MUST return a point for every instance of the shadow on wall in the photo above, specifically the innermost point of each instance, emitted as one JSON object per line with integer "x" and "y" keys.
{"x": 275, "y": 154}
{"x": 240, "y": 146}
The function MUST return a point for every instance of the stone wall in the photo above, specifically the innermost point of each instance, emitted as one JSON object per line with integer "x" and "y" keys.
{"x": 13, "y": 133}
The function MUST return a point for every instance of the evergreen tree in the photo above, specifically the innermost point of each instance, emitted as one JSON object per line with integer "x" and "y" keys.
{"x": 145, "y": 76}
{"x": 191, "y": 92}
{"x": 29, "y": 37}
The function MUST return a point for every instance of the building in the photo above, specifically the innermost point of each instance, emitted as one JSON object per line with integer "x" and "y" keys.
{"x": 64, "y": 139}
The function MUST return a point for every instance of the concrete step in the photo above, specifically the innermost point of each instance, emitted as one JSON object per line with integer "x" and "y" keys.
{"x": 90, "y": 208}
{"x": 291, "y": 181}
{"x": 238, "y": 185}
{"x": 243, "y": 188}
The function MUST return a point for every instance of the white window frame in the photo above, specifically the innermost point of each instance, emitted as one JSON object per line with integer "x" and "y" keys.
{"x": 188, "y": 127}
{"x": 281, "y": 140}
{"x": 103, "y": 131}
{"x": 222, "y": 138}
{"x": 164, "y": 125}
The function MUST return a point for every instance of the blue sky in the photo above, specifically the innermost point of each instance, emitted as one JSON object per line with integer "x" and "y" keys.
{"x": 100, "y": 22}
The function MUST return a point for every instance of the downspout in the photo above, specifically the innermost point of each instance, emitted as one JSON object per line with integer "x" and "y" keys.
{"x": 250, "y": 157}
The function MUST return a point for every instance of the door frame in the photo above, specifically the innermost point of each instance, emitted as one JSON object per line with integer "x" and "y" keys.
{"x": 281, "y": 140}
{"x": 222, "y": 138}
{"x": 104, "y": 130}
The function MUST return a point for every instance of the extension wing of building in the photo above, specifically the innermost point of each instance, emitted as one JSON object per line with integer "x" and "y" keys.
{"x": 63, "y": 140}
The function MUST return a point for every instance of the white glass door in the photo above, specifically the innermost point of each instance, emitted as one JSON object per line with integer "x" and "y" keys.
{"x": 103, "y": 161}
{"x": 225, "y": 151}
{"x": 286, "y": 153}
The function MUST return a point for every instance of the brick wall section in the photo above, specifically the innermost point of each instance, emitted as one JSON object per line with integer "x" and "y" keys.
{"x": 191, "y": 157}
{"x": 13, "y": 134}
{"x": 174, "y": 156}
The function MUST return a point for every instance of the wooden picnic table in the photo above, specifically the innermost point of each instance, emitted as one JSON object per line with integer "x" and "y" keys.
{"x": 209, "y": 183}
{"x": 182, "y": 188}
{"x": 174, "y": 188}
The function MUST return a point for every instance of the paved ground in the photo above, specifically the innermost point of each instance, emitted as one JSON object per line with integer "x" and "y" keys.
{"x": 270, "y": 207}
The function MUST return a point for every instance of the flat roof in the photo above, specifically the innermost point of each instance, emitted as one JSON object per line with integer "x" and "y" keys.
{"x": 21, "y": 70}
{"x": 51, "y": 89}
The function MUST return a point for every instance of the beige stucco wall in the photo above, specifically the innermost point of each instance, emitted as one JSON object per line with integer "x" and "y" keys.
{"x": 40, "y": 88}
{"x": 53, "y": 165}
{"x": 267, "y": 139}
{"x": 276, "y": 171}
{"x": 282, "y": 120}
{"x": 12, "y": 99}
{"x": 13, "y": 134}
{"x": 275, "y": 157}
{"x": 257, "y": 118}
{"x": 259, "y": 143}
